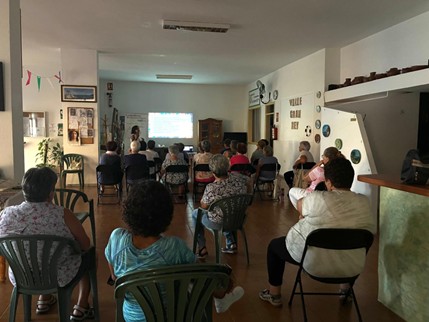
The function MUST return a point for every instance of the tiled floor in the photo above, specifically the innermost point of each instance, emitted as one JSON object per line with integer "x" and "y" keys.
{"x": 266, "y": 220}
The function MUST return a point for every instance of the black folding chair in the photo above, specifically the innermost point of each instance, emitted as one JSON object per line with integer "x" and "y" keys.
{"x": 264, "y": 184}
{"x": 333, "y": 239}
{"x": 135, "y": 174}
{"x": 199, "y": 186}
{"x": 173, "y": 185}
{"x": 109, "y": 177}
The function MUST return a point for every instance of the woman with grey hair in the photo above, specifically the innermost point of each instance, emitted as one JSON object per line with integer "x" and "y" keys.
{"x": 38, "y": 215}
{"x": 203, "y": 157}
{"x": 303, "y": 157}
{"x": 225, "y": 185}
{"x": 173, "y": 178}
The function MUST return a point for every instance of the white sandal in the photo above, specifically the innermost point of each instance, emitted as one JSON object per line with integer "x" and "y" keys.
{"x": 86, "y": 313}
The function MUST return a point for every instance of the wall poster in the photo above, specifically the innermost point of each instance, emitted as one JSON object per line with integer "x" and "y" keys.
{"x": 80, "y": 125}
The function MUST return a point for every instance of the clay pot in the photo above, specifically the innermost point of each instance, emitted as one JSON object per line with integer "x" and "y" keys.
{"x": 358, "y": 80}
{"x": 393, "y": 71}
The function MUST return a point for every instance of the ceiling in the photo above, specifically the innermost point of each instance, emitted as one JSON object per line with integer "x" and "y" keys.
{"x": 264, "y": 35}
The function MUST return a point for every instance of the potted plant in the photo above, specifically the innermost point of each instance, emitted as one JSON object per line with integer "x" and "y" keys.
{"x": 49, "y": 156}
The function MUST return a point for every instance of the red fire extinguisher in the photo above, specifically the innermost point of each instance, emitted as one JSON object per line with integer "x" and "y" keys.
{"x": 274, "y": 132}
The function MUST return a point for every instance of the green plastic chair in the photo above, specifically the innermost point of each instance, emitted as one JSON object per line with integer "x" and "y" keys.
{"x": 69, "y": 198}
{"x": 33, "y": 260}
{"x": 175, "y": 293}
{"x": 72, "y": 164}
{"x": 234, "y": 216}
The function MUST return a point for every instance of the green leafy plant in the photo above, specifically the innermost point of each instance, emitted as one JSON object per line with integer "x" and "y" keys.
{"x": 49, "y": 156}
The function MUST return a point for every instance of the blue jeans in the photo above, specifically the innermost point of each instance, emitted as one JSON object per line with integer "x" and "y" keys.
{"x": 230, "y": 236}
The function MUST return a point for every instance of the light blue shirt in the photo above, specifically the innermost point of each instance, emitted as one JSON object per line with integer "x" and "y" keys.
{"x": 125, "y": 258}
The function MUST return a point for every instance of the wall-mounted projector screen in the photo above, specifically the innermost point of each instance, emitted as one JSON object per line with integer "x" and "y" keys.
{"x": 170, "y": 125}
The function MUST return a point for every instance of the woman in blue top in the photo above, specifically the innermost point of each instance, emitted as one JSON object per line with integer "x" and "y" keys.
{"x": 148, "y": 211}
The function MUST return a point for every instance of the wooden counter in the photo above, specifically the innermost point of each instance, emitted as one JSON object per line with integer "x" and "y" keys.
{"x": 403, "y": 257}
{"x": 393, "y": 182}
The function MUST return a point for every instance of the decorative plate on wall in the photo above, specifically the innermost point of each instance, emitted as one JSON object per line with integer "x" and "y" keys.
{"x": 317, "y": 138}
{"x": 355, "y": 156}
{"x": 338, "y": 144}
{"x": 308, "y": 130}
{"x": 318, "y": 108}
{"x": 317, "y": 124}
{"x": 326, "y": 130}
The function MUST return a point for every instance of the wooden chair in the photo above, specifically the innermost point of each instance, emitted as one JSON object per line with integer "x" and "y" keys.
{"x": 72, "y": 164}
{"x": 33, "y": 260}
{"x": 332, "y": 239}
{"x": 234, "y": 216}
{"x": 175, "y": 293}
{"x": 69, "y": 198}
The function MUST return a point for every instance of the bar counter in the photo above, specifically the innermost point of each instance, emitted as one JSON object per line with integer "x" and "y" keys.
{"x": 403, "y": 262}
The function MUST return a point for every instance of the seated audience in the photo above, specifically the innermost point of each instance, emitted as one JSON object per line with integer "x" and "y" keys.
{"x": 258, "y": 153}
{"x": 232, "y": 149}
{"x": 39, "y": 215}
{"x": 147, "y": 212}
{"x": 304, "y": 156}
{"x": 180, "y": 154}
{"x": 173, "y": 178}
{"x": 226, "y": 146}
{"x": 225, "y": 185}
{"x": 150, "y": 154}
{"x": 181, "y": 148}
{"x": 135, "y": 158}
{"x": 203, "y": 158}
{"x": 240, "y": 157}
{"x": 267, "y": 158}
{"x": 336, "y": 208}
{"x": 111, "y": 158}
{"x": 315, "y": 176}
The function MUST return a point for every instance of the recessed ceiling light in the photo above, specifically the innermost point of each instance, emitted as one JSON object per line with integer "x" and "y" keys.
{"x": 165, "y": 76}
{"x": 195, "y": 26}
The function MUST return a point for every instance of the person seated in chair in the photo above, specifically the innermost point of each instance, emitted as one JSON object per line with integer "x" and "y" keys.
{"x": 303, "y": 157}
{"x": 174, "y": 159}
{"x": 225, "y": 185}
{"x": 268, "y": 158}
{"x": 150, "y": 154}
{"x": 240, "y": 157}
{"x": 135, "y": 158}
{"x": 315, "y": 176}
{"x": 148, "y": 211}
{"x": 113, "y": 159}
{"x": 203, "y": 157}
{"x": 39, "y": 215}
{"x": 336, "y": 208}
{"x": 259, "y": 152}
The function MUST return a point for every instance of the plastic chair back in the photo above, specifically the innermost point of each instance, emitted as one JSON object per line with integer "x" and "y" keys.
{"x": 72, "y": 163}
{"x": 34, "y": 260}
{"x": 173, "y": 293}
{"x": 70, "y": 199}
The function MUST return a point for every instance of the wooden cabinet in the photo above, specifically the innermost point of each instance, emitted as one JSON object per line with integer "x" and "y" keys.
{"x": 211, "y": 129}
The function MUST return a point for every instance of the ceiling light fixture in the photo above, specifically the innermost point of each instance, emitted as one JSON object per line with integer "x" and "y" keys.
{"x": 166, "y": 76}
{"x": 195, "y": 26}
{"x": 261, "y": 88}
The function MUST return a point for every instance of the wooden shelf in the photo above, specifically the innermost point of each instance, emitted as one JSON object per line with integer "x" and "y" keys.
{"x": 410, "y": 82}
{"x": 394, "y": 183}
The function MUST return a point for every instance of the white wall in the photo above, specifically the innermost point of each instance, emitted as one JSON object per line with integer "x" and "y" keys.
{"x": 225, "y": 103}
{"x": 403, "y": 45}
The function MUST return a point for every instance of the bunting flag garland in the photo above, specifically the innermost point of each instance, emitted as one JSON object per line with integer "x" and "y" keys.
{"x": 29, "y": 78}
{"x": 39, "y": 79}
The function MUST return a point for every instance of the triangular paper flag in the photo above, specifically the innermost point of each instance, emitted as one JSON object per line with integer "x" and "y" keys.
{"x": 39, "y": 80}
{"x": 29, "y": 78}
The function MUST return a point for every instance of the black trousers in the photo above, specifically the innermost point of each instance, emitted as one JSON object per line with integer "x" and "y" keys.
{"x": 277, "y": 256}
{"x": 289, "y": 178}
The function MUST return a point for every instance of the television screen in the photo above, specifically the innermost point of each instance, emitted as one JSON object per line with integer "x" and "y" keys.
{"x": 170, "y": 125}
{"x": 238, "y": 136}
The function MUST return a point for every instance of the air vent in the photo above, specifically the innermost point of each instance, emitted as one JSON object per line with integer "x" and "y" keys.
{"x": 195, "y": 26}
{"x": 164, "y": 76}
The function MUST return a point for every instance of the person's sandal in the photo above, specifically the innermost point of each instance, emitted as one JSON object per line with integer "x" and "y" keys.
{"x": 202, "y": 253}
{"x": 85, "y": 314}
{"x": 44, "y": 306}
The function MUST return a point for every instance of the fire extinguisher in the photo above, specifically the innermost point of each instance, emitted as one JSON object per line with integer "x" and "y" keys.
{"x": 274, "y": 132}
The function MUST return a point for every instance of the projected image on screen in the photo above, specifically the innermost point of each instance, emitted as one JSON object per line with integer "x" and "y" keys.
{"x": 170, "y": 125}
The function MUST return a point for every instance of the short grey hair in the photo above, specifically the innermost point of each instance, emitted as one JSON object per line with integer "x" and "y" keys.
{"x": 219, "y": 165}
{"x": 205, "y": 145}
{"x": 173, "y": 149}
{"x": 306, "y": 145}
{"x": 135, "y": 146}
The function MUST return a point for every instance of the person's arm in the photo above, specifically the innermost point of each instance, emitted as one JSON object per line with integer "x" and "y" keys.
{"x": 112, "y": 274}
{"x": 76, "y": 229}
{"x": 309, "y": 176}
{"x": 302, "y": 159}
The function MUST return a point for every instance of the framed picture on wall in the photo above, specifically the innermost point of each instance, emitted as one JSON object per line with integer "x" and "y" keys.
{"x": 254, "y": 98}
{"x": 74, "y": 93}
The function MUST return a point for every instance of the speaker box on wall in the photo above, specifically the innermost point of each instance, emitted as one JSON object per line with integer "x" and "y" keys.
{"x": 2, "y": 107}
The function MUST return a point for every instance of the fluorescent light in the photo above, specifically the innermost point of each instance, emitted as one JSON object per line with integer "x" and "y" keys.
{"x": 195, "y": 26}
{"x": 165, "y": 76}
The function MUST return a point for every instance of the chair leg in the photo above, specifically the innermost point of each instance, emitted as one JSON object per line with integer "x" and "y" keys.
{"x": 27, "y": 307}
{"x": 245, "y": 245}
{"x": 63, "y": 180}
{"x": 198, "y": 227}
{"x": 356, "y": 304}
{"x": 94, "y": 291}
{"x": 13, "y": 304}
{"x": 217, "y": 236}
{"x": 64, "y": 297}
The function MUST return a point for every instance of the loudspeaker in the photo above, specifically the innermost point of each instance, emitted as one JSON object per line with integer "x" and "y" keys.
{"x": 2, "y": 104}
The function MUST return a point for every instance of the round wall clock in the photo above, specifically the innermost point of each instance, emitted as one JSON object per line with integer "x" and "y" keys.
{"x": 275, "y": 94}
